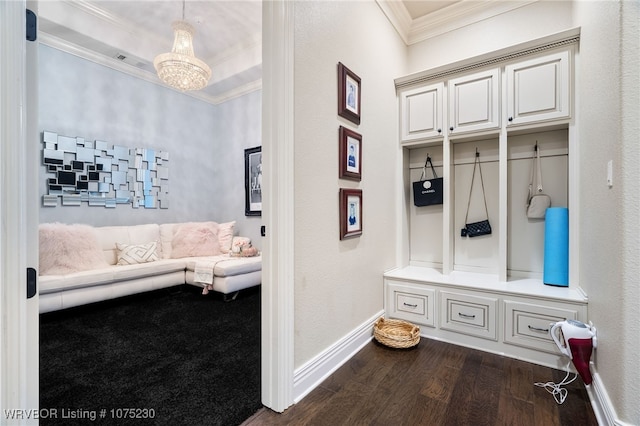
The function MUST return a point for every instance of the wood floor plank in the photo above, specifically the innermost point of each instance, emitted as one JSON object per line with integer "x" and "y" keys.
{"x": 340, "y": 409}
{"x": 576, "y": 408}
{"x": 435, "y": 384}
{"x": 546, "y": 412}
{"x": 440, "y": 385}
{"x": 520, "y": 379}
{"x": 515, "y": 411}
{"x": 368, "y": 368}
{"x": 459, "y": 410}
{"x": 427, "y": 412}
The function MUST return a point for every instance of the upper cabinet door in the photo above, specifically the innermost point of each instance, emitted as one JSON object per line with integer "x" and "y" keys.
{"x": 539, "y": 89}
{"x": 421, "y": 113}
{"x": 474, "y": 102}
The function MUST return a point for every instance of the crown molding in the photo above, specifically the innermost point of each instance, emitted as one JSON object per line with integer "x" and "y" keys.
{"x": 453, "y": 17}
{"x": 552, "y": 41}
{"x": 117, "y": 65}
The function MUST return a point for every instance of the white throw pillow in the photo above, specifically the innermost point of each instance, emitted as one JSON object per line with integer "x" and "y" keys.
{"x": 132, "y": 254}
{"x": 225, "y": 235}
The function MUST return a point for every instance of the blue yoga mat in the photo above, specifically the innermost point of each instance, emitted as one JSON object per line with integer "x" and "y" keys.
{"x": 556, "y": 247}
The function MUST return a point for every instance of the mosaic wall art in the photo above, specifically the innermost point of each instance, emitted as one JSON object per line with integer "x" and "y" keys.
{"x": 80, "y": 171}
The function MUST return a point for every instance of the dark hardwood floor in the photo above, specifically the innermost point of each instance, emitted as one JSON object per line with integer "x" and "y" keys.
{"x": 435, "y": 383}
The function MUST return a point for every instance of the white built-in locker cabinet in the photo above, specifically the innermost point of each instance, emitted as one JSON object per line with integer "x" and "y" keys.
{"x": 488, "y": 289}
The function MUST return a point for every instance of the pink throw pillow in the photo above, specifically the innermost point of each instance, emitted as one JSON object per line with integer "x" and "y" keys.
{"x": 195, "y": 239}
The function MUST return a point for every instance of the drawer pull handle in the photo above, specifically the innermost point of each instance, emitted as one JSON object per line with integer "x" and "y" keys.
{"x": 410, "y": 305}
{"x": 540, "y": 330}
{"x": 466, "y": 316}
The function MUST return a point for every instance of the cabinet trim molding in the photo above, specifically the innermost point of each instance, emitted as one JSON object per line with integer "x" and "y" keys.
{"x": 564, "y": 38}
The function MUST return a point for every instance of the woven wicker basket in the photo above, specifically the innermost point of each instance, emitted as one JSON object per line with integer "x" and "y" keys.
{"x": 396, "y": 333}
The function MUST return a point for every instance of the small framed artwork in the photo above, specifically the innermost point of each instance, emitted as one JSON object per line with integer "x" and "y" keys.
{"x": 253, "y": 181}
{"x": 350, "y": 213}
{"x": 348, "y": 94}
{"x": 350, "y": 154}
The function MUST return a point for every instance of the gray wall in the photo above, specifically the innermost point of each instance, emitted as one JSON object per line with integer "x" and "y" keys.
{"x": 205, "y": 142}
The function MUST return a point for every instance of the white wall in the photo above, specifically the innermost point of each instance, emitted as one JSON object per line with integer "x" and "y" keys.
{"x": 205, "y": 142}
{"x": 338, "y": 284}
{"x": 608, "y": 102}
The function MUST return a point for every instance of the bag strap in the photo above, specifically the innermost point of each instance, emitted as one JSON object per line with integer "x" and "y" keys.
{"x": 476, "y": 162}
{"x": 424, "y": 168}
{"x": 535, "y": 165}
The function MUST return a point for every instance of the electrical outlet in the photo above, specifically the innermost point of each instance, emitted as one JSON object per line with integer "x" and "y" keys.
{"x": 610, "y": 173}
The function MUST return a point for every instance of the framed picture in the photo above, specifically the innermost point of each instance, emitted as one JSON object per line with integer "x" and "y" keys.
{"x": 348, "y": 94}
{"x": 253, "y": 181}
{"x": 350, "y": 213}
{"x": 350, "y": 154}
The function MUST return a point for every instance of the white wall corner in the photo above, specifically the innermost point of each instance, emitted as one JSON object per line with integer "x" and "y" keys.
{"x": 601, "y": 403}
{"x": 397, "y": 14}
{"x": 310, "y": 375}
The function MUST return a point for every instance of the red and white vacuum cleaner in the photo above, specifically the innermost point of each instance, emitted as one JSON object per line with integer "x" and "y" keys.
{"x": 576, "y": 340}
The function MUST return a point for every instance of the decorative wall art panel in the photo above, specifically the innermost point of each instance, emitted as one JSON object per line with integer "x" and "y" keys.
{"x": 80, "y": 171}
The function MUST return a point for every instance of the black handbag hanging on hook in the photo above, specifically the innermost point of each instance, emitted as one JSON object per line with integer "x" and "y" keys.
{"x": 427, "y": 192}
{"x": 483, "y": 227}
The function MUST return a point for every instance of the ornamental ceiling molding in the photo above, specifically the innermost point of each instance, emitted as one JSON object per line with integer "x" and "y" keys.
{"x": 81, "y": 17}
{"x": 453, "y": 17}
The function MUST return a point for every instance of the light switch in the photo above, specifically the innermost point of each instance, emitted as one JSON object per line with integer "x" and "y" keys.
{"x": 610, "y": 173}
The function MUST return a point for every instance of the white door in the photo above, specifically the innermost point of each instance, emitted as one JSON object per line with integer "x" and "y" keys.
{"x": 19, "y": 217}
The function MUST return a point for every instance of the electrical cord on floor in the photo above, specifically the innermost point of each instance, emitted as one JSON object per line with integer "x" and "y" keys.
{"x": 559, "y": 393}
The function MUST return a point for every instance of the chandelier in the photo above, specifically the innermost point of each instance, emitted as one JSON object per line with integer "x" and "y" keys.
{"x": 180, "y": 68}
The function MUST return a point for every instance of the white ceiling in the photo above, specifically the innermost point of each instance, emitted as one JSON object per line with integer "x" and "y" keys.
{"x": 420, "y": 8}
{"x": 127, "y": 35}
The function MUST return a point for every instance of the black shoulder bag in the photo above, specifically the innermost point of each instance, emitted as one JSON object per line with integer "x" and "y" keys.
{"x": 427, "y": 192}
{"x": 483, "y": 227}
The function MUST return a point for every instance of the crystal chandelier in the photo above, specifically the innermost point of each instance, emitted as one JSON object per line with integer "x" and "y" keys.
{"x": 180, "y": 68}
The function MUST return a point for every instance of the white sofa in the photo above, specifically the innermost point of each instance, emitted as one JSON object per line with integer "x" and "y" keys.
{"x": 80, "y": 264}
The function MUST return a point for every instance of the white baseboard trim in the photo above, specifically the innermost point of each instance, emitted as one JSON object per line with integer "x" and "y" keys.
{"x": 310, "y": 375}
{"x": 601, "y": 403}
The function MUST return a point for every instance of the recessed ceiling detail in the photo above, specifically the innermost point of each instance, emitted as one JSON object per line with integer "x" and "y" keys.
{"x": 127, "y": 35}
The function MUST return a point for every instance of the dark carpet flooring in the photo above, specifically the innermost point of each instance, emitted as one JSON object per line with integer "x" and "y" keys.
{"x": 174, "y": 356}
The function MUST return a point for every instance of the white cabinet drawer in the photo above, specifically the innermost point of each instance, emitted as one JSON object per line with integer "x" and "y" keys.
{"x": 413, "y": 304}
{"x": 528, "y": 325}
{"x": 469, "y": 314}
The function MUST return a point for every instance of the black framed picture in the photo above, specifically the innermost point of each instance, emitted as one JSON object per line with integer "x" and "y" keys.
{"x": 350, "y": 213}
{"x": 348, "y": 94}
{"x": 253, "y": 181}
{"x": 350, "y": 154}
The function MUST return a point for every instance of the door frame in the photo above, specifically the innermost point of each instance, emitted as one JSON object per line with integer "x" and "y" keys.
{"x": 278, "y": 204}
{"x": 19, "y": 150}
